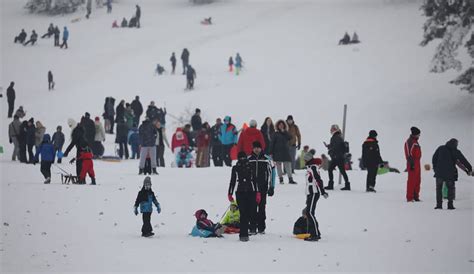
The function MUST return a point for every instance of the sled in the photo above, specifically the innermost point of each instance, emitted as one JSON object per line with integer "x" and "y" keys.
{"x": 67, "y": 177}
{"x": 113, "y": 159}
{"x": 302, "y": 236}
{"x": 196, "y": 232}
{"x": 231, "y": 230}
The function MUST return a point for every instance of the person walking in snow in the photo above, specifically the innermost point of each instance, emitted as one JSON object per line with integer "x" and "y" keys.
{"x": 33, "y": 38}
{"x": 248, "y": 137}
{"x": 216, "y": 145}
{"x": 11, "y": 96}
{"x": 185, "y": 59}
{"x": 173, "y": 63}
{"x": 231, "y": 64}
{"x": 337, "y": 150}
{"x": 295, "y": 141}
{"x": 247, "y": 195}
{"x": 280, "y": 151}
{"x": 58, "y": 141}
{"x": 138, "y": 15}
{"x": 46, "y": 150}
{"x": 13, "y": 134}
{"x": 57, "y": 33}
{"x": 263, "y": 175}
{"x": 413, "y": 157}
{"x": 108, "y": 3}
{"x": 145, "y": 200}
{"x": 65, "y": 37}
{"x": 190, "y": 76}
{"x": 88, "y": 8}
{"x": 147, "y": 134}
{"x": 371, "y": 159}
{"x": 50, "y": 81}
{"x": 314, "y": 189}
{"x": 445, "y": 159}
{"x": 238, "y": 64}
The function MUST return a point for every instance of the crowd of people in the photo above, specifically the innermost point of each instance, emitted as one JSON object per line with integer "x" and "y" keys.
{"x": 51, "y": 31}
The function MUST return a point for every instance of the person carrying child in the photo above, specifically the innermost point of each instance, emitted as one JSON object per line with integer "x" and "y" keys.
{"x": 145, "y": 199}
{"x": 206, "y": 228}
{"x": 232, "y": 218}
{"x": 314, "y": 188}
{"x": 46, "y": 149}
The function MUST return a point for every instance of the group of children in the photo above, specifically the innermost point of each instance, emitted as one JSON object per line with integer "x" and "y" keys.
{"x": 52, "y": 31}
{"x": 347, "y": 39}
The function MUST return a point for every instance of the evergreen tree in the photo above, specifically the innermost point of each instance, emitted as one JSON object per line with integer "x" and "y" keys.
{"x": 53, "y": 7}
{"x": 451, "y": 21}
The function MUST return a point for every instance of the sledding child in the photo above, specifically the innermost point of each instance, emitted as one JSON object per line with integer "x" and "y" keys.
{"x": 134, "y": 142}
{"x": 301, "y": 225}
{"x": 232, "y": 218}
{"x": 206, "y": 228}
{"x": 46, "y": 149}
{"x": 86, "y": 156}
{"x": 184, "y": 157}
{"x": 231, "y": 64}
{"x": 145, "y": 199}
{"x": 314, "y": 188}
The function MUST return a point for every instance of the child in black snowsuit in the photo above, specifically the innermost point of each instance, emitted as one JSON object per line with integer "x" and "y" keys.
{"x": 145, "y": 199}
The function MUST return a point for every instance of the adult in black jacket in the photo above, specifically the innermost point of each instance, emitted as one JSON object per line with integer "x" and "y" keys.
{"x": 137, "y": 110}
{"x": 371, "y": 159}
{"x": 152, "y": 112}
{"x": 49, "y": 32}
{"x": 109, "y": 114}
{"x": 268, "y": 132}
{"x": 77, "y": 140}
{"x": 11, "y": 99}
{"x": 147, "y": 136}
{"x": 22, "y": 141}
{"x": 57, "y": 33}
{"x": 185, "y": 59}
{"x": 138, "y": 15}
{"x": 30, "y": 140}
{"x": 280, "y": 151}
{"x": 262, "y": 175}
{"x": 120, "y": 111}
{"x": 216, "y": 145}
{"x": 89, "y": 129}
{"x": 121, "y": 139}
{"x": 336, "y": 150}
{"x": 247, "y": 195}
{"x": 33, "y": 38}
{"x": 21, "y": 37}
{"x": 444, "y": 161}
{"x": 196, "y": 121}
{"x": 50, "y": 81}
{"x": 190, "y": 76}
{"x": 173, "y": 63}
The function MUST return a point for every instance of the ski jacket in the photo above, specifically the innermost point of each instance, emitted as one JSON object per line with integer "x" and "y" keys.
{"x": 314, "y": 183}
{"x": 295, "y": 134}
{"x": 120, "y": 113}
{"x": 412, "y": 153}
{"x": 280, "y": 148}
{"x": 179, "y": 138}
{"x": 58, "y": 140}
{"x": 263, "y": 171}
{"x": 371, "y": 153}
{"x": 137, "y": 108}
{"x": 185, "y": 56}
{"x": 46, "y": 150}
{"x": 122, "y": 133}
{"x": 203, "y": 139}
{"x": 228, "y": 134}
{"x": 65, "y": 34}
{"x": 146, "y": 199}
{"x": 246, "y": 139}
{"x": 196, "y": 122}
{"x": 30, "y": 135}
{"x": 445, "y": 159}
{"x": 231, "y": 217}
{"x": 89, "y": 129}
{"x": 336, "y": 148}
{"x": 215, "y": 134}
{"x": 14, "y": 128}
{"x": 242, "y": 173}
{"x": 147, "y": 134}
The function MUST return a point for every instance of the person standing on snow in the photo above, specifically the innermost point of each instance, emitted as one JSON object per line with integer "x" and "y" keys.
{"x": 336, "y": 150}
{"x": 173, "y": 63}
{"x": 185, "y": 59}
{"x": 280, "y": 151}
{"x": 231, "y": 64}
{"x": 137, "y": 110}
{"x": 138, "y": 15}
{"x": 248, "y": 137}
{"x": 11, "y": 99}
{"x": 77, "y": 140}
{"x": 65, "y": 38}
{"x": 58, "y": 141}
{"x": 228, "y": 138}
{"x": 88, "y": 8}
{"x": 145, "y": 200}
{"x": 445, "y": 159}
{"x": 46, "y": 150}
{"x": 190, "y": 76}
{"x": 13, "y": 133}
{"x": 268, "y": 132}
{"x": 57, "y": 33}
{"x": 50, "y": 81}
{"x": 247, "y": 195}
{"x": 147, "y": 135}
{"x": 161, "y": 140}
{"x": 371, "y": 159}
{"x": 238, "y": 64}
{"x": 295, "y": 142}
{"x": 216, "y": 145}
{"x": 413, "y": 156}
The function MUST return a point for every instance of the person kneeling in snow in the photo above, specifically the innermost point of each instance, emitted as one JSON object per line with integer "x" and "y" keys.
{"x": 145, "y": 199}
{"x": 46, "y": 149}
{"x": 184, "y": 157}
{"x": 232, "y": 218}
{"x": 204, "y": 227}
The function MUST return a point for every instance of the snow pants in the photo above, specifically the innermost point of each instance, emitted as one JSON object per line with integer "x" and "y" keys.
{"x": 311, "y": 201}
{"x": 261, "y": 213}
{"x": 439, "y": 190}
{"x": 371, "y": 176}
{"x": 151, "y": 152}
{"x": 247, "y": 208}
{"x": 146, "y": 227}
{"x": 87, "y": 168}
{"x": 414, "y": 182}
{"x": 160, "y": 152}
{"x": 217, "y": 155}
{"x": 339, "y": 163}
{"x": 46, "y": 169}
{"x": 226, "y": 154}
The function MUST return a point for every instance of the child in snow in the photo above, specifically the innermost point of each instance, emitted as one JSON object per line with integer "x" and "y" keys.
{"x": 232, "y": 218}
{"x": 300, "y": 160}
{"x": 86, "y": 156}
{"x": 159, "y": 69}
{"x": 184, "y": 157}
{"x": 58, "y": 142}
{"x": 231, "y": 64}
{"x": 115, "y": 24}
{"x": 134, "y": 142}
{"x": 46, "y": 149}
{"x": 355, "y": 38}
{"x": 301, "y": 225}
{"x": 206, "y": 228}
{"x": 314, "y": 188}
{"x": 238, "y": 64}
{"x": 124, "y": 23}
{"x": 345, "y": 40}
{"x": 145, "y": 199}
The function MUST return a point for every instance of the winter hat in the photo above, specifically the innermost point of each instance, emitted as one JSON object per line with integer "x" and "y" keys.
{"x": 372, "y": 133}
{"x": 335, "y": 128}
{"x": 199, "y": 212}
{"x": 241, "y": 155}
{"x": 198, "y": 110}
{"x": 97, "y": 119}
{"x": 290, "y": 117}
{"x": 71, "y": 123}
{"x": 309, "y": 155}
{"x": 31, "y": 120}
{"x": 415, "y": 131}
{"x": 256, "y": 144}
{"x": 87, "y": 115}
{"x": 253, "y": 123}
{"x": 147, "y": 182}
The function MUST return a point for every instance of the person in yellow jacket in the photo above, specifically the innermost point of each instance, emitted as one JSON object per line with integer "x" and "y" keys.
{"x": 232, "y": 216}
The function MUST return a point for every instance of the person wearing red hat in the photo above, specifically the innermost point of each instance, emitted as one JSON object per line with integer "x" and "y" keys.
{"x": 413, "y": 157}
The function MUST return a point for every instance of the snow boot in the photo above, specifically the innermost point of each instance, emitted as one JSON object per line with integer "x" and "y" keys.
{"x": 312, "y": 239}
{"x": 93, "y": 181}
{"x": 439, "y": 206}
{"x": 153, "y": 171}
{"x": 140, "y": 172}
{"x": 48, "y": 180}
{"x": 347, "y": 187}
{"x": 417, "y": 200}
{"x": 330, "y": 186}
{"x": 262, "y": 232}
{"x": 281, "y": 180}
{"x": 252, "y": 232}
{"x": 244, "y": 239}
{"x": 371, "y": 189}
{"x": 292, "y": 182}
{"x": 450, "y": 205}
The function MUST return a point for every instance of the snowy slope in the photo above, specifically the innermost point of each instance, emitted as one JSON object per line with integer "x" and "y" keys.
{"x": 293, "y": 66}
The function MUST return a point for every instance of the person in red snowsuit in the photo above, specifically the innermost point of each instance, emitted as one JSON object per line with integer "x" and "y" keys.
{"x": 413, "y": 156}
{"x": 87, "y": 166}
{"x": 248, "y": 136}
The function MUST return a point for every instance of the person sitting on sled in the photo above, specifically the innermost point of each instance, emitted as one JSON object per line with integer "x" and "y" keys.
{"x": 206, "y": 228}
{"x": 207, "y": 21}
{"x": 184, "y": 157}
{"x": 232, "y": 218}
{"x": 301, "y": 225}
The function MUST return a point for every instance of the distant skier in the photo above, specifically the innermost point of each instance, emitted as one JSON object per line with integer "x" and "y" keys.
{"x": 336, "y": 150}
{"x": 50, "y": 81}
{"x": 190, "y": 76}
{"x": 238, "y": 64}
{"x": 185, "y": 59}
{"x": 57, "y": 33}
{"x": 413, "y": 157}
{"x": 21, "y": 37}
{"x": 49, "y": 32}
{"x": 46, "y": 150}
{"x": 371, "y": 159}
{"x": 173, "y": 63}
{"x": 65, "y": 37}
{"x": 11, "y": 99}
{"x": 145, "y": 200}
{"x": 33, "y": 38}
{"x": 231, "y": 64}
{"x": 138, "y": 15}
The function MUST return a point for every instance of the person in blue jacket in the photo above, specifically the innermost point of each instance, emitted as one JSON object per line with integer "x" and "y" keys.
{"x": 184, "y": 157}
{"x": 238, "y": 64}
{"x": 46, "y": 149}
{"x": 134, "y": 142}
{"x": 65, "y": 37}
{"x": 228, "y": 138}
{"x": 145, "y": 199}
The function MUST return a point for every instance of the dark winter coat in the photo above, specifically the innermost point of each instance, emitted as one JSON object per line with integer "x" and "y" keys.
{"x": 133, "y": 138}
{"x": 11, "y": 94}
{"x": 445, "y": 159}
{"x": 122, "y": 133}
{"x": 153, "y": 113}
{"x": 242, "y": 172}
{"x": 215, "y": 133}
{"x": 263, "y": 172}
{"x": 280, "y": 148}
{"x": 185, "y": 56}
{"x": 77, "y": 140}
{"x": 137, "y": 108}
{"x": 46, "y": 150}
{"x": 268, "y": 134}
{"x": 336, "y": 148}
{"x": 190, "y": 73}
{"x": 109, "y": 111}
{"x": 58, "y": 140}
{"x": 173, "y": 60}
{"x": 14, "y": 128}
{"x": 196, "y": 122}
{"x": 30, "y": 135}
{"x": 22, "y": 134}
{"x": 138, "y": 13}
{"x": 301, "y": 226}
{"x": 147, "y": 134}
{"x": 120, "y": 112}
{"x": 371, "y": 153}
{"x": 89, "y": 130}
{"x": 50, "y": 76}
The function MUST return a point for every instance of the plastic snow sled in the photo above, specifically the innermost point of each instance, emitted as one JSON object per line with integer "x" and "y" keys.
{"x": 110, "y": 158}
{"x": 231, "y": 230}
{"x": 196, "y": 232}
{"x": 302, "y": 236}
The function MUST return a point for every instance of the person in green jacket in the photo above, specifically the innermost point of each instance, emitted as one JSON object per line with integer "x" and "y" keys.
{"x": 232, "y": 216}
{"x": 300, "y": 162}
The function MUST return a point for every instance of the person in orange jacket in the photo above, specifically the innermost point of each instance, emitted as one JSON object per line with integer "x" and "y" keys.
{"x": 413, "y": 157}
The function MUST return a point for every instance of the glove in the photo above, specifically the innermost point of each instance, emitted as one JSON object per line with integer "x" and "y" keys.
{"x": 135, "y": 211}
{"x": 10, "y": 139}
{"x": 325, "y": 195}
{"x": 231, "y": 199}
{"x": 258, "y": 197}
{"x": 298, "y": 147}
{"x": 158, "y": 208}
{"x": 72, "y": 160}
{"x": 271, "y": 191}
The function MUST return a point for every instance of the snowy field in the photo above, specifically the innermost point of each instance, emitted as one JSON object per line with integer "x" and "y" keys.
{"x": 292, "y": 66}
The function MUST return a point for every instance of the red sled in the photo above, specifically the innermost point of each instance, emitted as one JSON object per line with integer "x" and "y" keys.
{"x": 233, "y": 153}
{"x": 231, "y": 230}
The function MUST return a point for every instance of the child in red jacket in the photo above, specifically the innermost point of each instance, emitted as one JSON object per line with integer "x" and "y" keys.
{"x": 87, "y": 166}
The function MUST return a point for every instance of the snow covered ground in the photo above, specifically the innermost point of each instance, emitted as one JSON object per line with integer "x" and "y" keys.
{"x": 292, "y": 66}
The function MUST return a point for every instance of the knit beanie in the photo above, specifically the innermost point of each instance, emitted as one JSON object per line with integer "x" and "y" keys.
{"x": 415, "y": 131}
